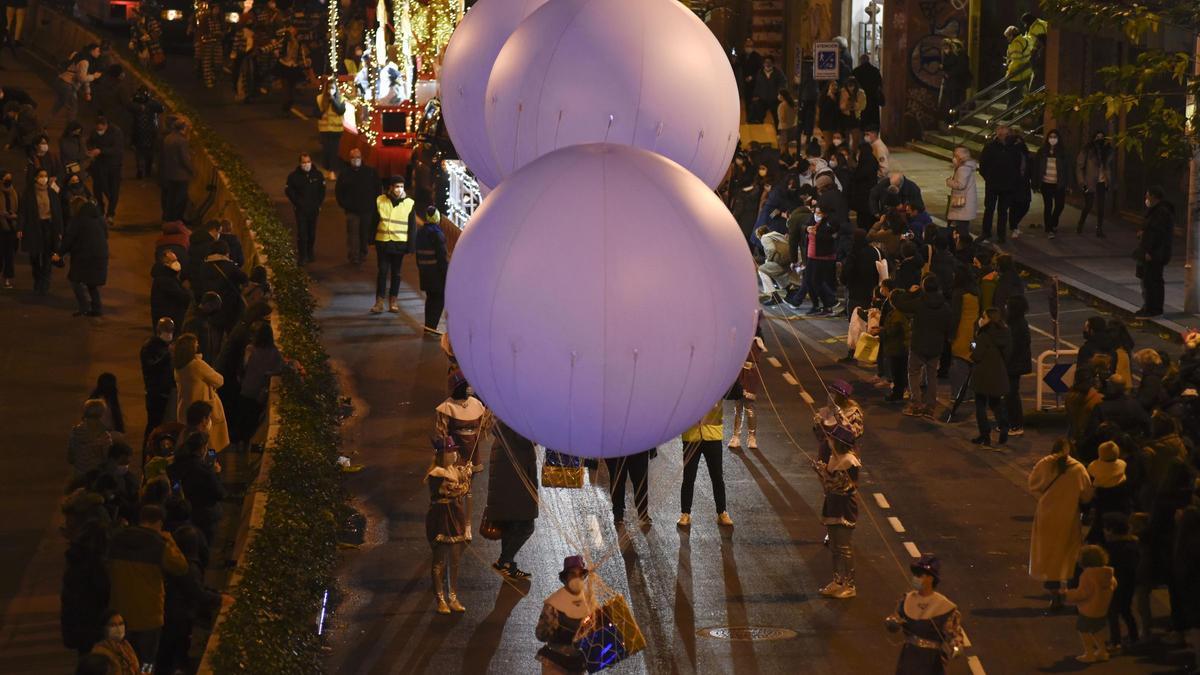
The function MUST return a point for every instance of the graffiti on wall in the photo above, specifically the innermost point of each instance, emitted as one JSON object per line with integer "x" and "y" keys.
{"x": 937, "y": 21}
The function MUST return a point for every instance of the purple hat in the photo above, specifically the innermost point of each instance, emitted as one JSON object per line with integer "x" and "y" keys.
{"x": 574, "y": 562}
{"x": 927, "y": 565}
{"x": 841, "y": 387}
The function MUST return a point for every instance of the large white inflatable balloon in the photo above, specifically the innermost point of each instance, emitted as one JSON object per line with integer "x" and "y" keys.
{"x": 602, "y": 300}
{"x": 646, "y": 73}
{"x": 466, "y": 65}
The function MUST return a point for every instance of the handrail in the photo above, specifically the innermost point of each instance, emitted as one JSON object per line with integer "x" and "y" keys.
{"x": 1018, "y": 110}
{"x": 957, "y": 110}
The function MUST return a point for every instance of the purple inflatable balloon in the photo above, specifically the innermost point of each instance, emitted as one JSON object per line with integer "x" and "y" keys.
{"x": 646, "y": 73}
{"x": 601, "y": 300}
{"x": 466, "y": 66}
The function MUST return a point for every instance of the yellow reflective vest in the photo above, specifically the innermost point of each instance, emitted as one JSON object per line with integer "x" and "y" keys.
{"x": 330, "y": 120}
{"x": 1020, "y": 51}
{"x": 711, "y": 428}
{"x": 393, "y": 219}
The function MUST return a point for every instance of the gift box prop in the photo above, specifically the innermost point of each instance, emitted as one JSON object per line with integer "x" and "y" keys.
{"x": 612, "y": 637}
{"x": 561, "y": 470}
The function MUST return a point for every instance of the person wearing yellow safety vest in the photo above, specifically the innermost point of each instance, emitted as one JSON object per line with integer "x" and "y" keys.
{"x": 1019, "y": 72}
{"x": 704, "y": 439}
{"x": 392, "y": 240}
{"x": 329, "y": 126}
{"x": 1036, "y": 31}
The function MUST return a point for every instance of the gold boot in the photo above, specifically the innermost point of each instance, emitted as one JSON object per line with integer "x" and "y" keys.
{"x": 455, "y": 605}
{"x": 378, "y": 307}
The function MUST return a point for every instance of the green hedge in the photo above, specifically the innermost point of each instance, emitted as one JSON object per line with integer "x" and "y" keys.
{"x": 270, "y": 628}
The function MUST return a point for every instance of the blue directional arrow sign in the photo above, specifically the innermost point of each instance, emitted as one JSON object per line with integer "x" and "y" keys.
{"x": 1056, "y": 378}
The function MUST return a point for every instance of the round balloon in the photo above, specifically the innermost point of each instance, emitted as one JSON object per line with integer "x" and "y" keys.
{"x": 602, "y": 300}
{"x": 646, "y": 73}
{"x": 466, "y": 65}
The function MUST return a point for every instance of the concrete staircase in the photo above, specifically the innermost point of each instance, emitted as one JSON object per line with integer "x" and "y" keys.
{"x": 972, "y": 131}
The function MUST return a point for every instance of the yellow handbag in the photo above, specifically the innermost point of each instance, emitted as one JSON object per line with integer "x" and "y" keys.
{"x": 867, "y": 348}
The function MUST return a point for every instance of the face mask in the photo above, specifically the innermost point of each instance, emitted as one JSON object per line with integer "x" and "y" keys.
{"x": 42, "y": 180}
{"x": 575, "y": 585}
{"x": 115, "y": 632}
{"x": 101, "y": 132}
{"x": 43, "y": 148}
{"x": 399, "y": 194}
{"x": 917, "y": 583}
{"x": 355, "y": 162}
{"x": 1053, "y": 140}
{"x": 833, "y": 163}
{"x": 175, "y": 265}
{"x": 837, "y": 142}
{"x": 1147, "y": 203}
{"x": 307, "y": 166}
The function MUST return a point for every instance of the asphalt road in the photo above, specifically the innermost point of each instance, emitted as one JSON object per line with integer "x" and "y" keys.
{"x": 968, "y": 506}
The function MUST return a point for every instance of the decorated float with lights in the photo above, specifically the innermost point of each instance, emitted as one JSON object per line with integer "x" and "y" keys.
{"x": 393, "y": 110}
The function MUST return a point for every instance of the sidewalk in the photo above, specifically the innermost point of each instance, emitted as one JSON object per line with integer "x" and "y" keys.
{"x": 1098, "y": 269}
{"x": 50, "y": 362}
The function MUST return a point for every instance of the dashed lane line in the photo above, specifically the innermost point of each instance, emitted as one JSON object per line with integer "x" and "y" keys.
{"x": 975, "y": 666}
{"x": 896, "y": 524}
{"x": 912, "y": 549}
{"x": 774, "y": 362}
{"x": 882, "y": 501}
{"x": 787, "y": 377}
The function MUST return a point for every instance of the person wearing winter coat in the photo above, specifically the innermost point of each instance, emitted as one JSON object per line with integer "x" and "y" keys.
{"x": 1020, "y": 361}
{"x": 357, "y": 187}
{"x": 10, "y": 227}
{"x": 222, "y": 276}
{"x": 765, "y": 92}
{"x": 1120, "y": 409}
{"x": 139, "y": 556}
{"x": 106, "y": 146}
{"x": 964, "y": 306}
{"x": 1093, "y": 175}
{"x": 168, "y": 298}
{"x": 199, "y": 481}
{"x": 1000, "y": 167}
{"x": 964, "y": 197}
{"x": 175, "y": 171}
{"x": 1113, "y": 490}
{"x": 860, "y": 275}
{"x": 512, "y": 475}
{"x": 1152, "y": 388}
{"x": 1062, "y": 485}
{"x": 432, "y": 263}
{"x": 305, "y": 189}
{"x": 90, "y": 439}
{"x": 86, "y": 242}
{"x": 1153, "y": 251}
{"x": 175, "y": 237}
{"x": 200, "y": 244}
{"x": 158, "y": 376}
{"x": 991, "y": 356}
{"x": 1092, "y": 597}
{"x": 863, "y": 178}
{"x": 1051, "y": 174}
{"x": 83, "y": 597}
{"x": 41, "y": 218}
{"x": 114, "y": 648}
{"x": 1124, "y": 555}
{"x": 1185, "y": 571}
{"x": 895, "y": 334}
{"x": 186, "y": 600}
{"x": 197, "y": 381}
{"x": 932, "y": 326}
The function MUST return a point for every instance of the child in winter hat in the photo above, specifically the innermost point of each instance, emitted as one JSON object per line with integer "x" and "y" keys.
{"x": 1109, "y": 470}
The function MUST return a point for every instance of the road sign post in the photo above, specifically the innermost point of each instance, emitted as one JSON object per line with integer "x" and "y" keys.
{"x": 826, "y": 60}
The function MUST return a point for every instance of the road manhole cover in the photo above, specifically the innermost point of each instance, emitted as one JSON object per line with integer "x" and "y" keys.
{"x": 747, "y": 633}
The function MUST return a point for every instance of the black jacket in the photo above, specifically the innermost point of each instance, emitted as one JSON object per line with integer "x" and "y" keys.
{"x": 991, "y": 356}
{"x": 860, "y": 275}
{"x": 305, "y": 189}
{"x": 86, "y": 241}
{"x": 1064, "y": 167}
{"x": 432, "y": 260}
{"x": 357, "y": 189}
{"x": 157, "y": 373}
{"x": 932, "y": 321}
{"x": 168, "y": 297}
{"x": 36, "y": 237}
{"x": 220, "y": 275}
{"x": 910, "y": 193}
{"x": 111, "y": 146}
{"x": 1156, "y": 234}
{"x": 1021, "y": 360}
{"x": 199, "y": 482}
{"x": 1002, "y": 165}
{"x": 199, "y": 246}
{"x": 508, "y": 497}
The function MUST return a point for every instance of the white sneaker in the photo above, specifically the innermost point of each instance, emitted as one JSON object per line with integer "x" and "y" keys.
{"x": 1015, "y": 234}
{"x": 724, "y": 519}
{"x": 752, "y": 442}
{"x": 735, "y": 443}
{"x": 830, "y": 589}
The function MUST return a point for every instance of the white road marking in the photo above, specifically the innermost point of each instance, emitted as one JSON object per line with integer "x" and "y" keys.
{"x": 912, "y": 549}
{"x": 787, "y": 377}
{"x": 882, "y": 501}
{"x": 896, "y": 524}
{"x": 774, "y": 362}
{"x": 975, "y": 666}
{"x": 806, "y": 397}
{"x": 1065, "y": 343}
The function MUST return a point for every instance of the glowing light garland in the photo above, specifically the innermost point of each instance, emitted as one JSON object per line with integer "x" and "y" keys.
{"x": 462, "y": 192}
{"x": 433, "y": 23}
{"x": 332, "y": 20}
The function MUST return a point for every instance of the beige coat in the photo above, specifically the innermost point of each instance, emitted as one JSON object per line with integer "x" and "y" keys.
{"x": 1057, "y": 536}
{"x": 197, "y": 381}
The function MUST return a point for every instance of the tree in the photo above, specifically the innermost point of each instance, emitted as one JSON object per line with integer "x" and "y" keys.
{"x": 1167, "y": 137}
